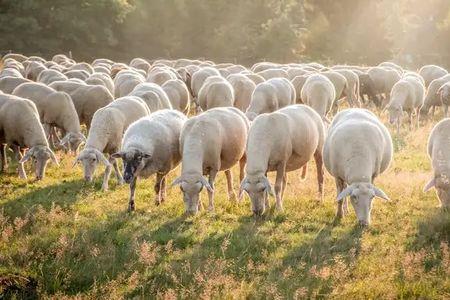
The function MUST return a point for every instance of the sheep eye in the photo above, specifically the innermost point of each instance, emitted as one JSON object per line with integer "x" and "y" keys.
{"x": 94, "y": 159}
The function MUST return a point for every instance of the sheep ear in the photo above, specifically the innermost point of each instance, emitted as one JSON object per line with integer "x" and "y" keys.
{"x": 268, "y": 186}
{"x": 53, "y": 157}
{"x": 27, "y": 155}
{"x": 346, "y": 192}
{"x": 206, "y": 185}
{"x": 243, "y": 188}
{"x": 177, "y": 181}
{"x": 117, "y": 155}
{"x": 102, "y": 158}
{"x": 429, "y": 185}
{"x": 380, "y": 194}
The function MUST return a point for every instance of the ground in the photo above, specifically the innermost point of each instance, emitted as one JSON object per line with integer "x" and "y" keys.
{"x": 63, "y": 238}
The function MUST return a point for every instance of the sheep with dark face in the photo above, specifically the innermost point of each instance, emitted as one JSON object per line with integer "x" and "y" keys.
{"x": 151, "y": 146}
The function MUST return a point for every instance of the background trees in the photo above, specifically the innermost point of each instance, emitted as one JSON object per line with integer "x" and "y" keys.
{"x": 368, "y": 31}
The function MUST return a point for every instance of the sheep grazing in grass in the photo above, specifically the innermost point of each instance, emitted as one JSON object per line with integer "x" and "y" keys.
{"x": 178, "y": 94}
{"x": 243, "y": 89}
{"x": 8, "y": 83}
{"x": 105, "y": 135}
{"x": 357, "y": 149}
{"x": 282, "y": 141}
{"x": 270, "y": 96}
{"x": 406, "y": 96}
{"x": 210, "y": 142}
{"x": 151, "y": 146}
{"x": 216, "y": 91}
{"x": 319, "y": 93}
{"x": 438, "y": 152}
{"x": 20, "y": 128}
{"x": 432, "y": 97}
{"x": 153, "y": 95}
{"x": 431, "y": 72}
{"x": 55, "y": 109}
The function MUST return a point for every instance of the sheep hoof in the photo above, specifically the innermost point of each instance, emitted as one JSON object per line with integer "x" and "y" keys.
{"x": 211, "y": 208}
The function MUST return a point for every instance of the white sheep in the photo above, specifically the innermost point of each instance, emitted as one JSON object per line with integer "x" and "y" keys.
{"x": 55, "y": 109}
{"x": 160, "y": 75}
{"x": 101, "y": 79}
{"x": 319, "y": 93}
{"x": 178, "y": 94}
{"x": 432, "y": 97}
{"x": 216, "y": 91}
{"x": 20, "y": 126}
{"x": 199, "y": 77}
{"x": 151, "y": 145}
{"x": 407, "y": 95}
{"x": 105, "y": 136}
{"x": 48, "y": 76}
{"x": 125, "y": 81}
{"x": 431, "y": 72}
{"x": 8, "y": 84}
{"x": 33, "y": 69}
{"x": 87, "y": 99}
{"x": 438, "y": 145}
{"x": 270, "y": 96}
{"x": 210, "y": 142}
{"x": 243, "y": 89}
{"x": 281, "y": 141}
{"x": 357, "y": 149}
{"x": 153, "y": 95}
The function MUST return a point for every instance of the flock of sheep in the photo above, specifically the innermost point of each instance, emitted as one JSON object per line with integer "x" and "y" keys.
{"x": 268, "y": 118}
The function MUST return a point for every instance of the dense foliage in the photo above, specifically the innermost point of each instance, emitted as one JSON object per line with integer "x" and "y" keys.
{"x": 413, "y": 32}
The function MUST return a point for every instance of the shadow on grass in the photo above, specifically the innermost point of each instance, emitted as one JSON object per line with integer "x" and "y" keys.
{"x": 433, "y": 233}
{"x": 63, "y": 194}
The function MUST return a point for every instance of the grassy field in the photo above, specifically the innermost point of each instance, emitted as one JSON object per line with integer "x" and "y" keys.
{"x": 62, "y": 238}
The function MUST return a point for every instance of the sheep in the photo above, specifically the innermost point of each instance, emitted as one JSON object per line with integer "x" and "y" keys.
{"x": 432, "y": 98}
{"x": 199, "y": 77}
{"x": 80, "y": 74}
{"x": 431, "y": 72}
{"x": 340, "y": 84}
{"x": 102, "y": 69}
{"x": 48, "y": 76}
{"x": 319, "y": 93}
{"x": 298, "y": 82}
{"x": 178, "y": 94}
{"x": 257, "y": 79}
{"x": 59, "y": 58}
{"x": 125, "y": 81}
{"x": 141, "y": 64}
{"x": 105, "y": 136}
{"x": 294, "y": 72}
{"x": 392, "y": 65}
{"x": 55, "y": 109}
{"x": 216, "y": 91}
{"x": 151, "y": 145}
{"x": 406, "y": 95}
{"x": 8, "y": 84}
{"x": 82, "y": 66}
{"x": 281, "y": 141}
{"x": 10, "y": 72}
{"x": 87, "y": 99}
{"x": 438, "y": 145}
{"x": 444, "y": 95}
{"x": 20, "y": 126}
{"x": 153, "y": 95}
{"x": 102, "y": 61}
{"x": 33, "y": 69}
{"x": 273, "y": 73}
{"x": 16, "y": 56}
{"x": 262, "y": 66}
{"x": 357, "y": 149}
{"x": 160, "y": 75}
{"x": 13, "y": 64}
{"x": 384, "y": 79}
{"x": 269, "y": 96}
{"x": 243, "y": 89}
{"x": 210, "y": 142}
{"x": 101, "y": 79}
{"x": 351, "y": 90}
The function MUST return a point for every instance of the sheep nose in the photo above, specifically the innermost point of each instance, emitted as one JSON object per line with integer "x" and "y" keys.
{"x": 127, "y": 177}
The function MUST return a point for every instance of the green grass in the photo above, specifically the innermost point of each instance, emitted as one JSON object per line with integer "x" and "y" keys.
{"x": 62, "y": 238}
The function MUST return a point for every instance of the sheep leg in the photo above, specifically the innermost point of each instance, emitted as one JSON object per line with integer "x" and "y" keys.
{"x": 304, "y": 171}
{"x": 105, "y": 185}
{"x": 3, "y": 158}
{"x": 212, "y": 178}
{"x": 113, "y": 161}
{"x": 242, "y": 163}
{"x": 20, "y": 167}
{"x": 231, "y": 193}
{"x": 132, "y": 192}
{"x": 418, "y": 117}
{"x": 281, "y": 170}
{"x": 433, "y": 108}
{"x": 158, "y": 187}
{"x": 319, "y": 167}
{"x": 340, "y": 185}
{"x": 284, "y": 185}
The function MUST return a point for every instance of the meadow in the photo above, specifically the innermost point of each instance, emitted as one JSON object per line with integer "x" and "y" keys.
{"x": 62, "y": 238}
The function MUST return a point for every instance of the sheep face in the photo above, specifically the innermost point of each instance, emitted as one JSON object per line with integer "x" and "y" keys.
{"x": 395, "y": 114}
{"x": 134, "y": 161}
{"x": 191, "y": 186}
{"x": 361, "y": 196}
{"x": 90, "y": 158}
{"x": 258, "y": 189}
{"x": 40, "y": 156}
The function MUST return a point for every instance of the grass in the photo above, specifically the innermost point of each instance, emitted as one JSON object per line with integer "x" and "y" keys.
{"x": 62, "y": 238}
